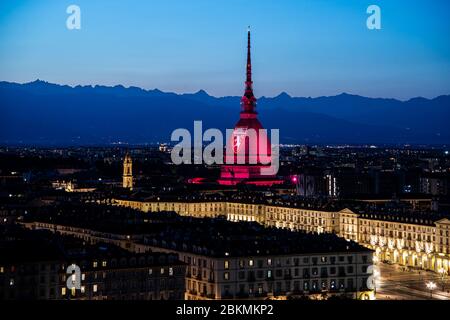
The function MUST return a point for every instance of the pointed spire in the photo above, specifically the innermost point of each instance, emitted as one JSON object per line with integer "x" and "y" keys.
{"x": 249, "y": 61}
{"x": 249, "y": 100}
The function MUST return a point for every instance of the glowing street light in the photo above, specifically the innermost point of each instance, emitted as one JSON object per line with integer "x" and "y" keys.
{"x": 431, "y": 286}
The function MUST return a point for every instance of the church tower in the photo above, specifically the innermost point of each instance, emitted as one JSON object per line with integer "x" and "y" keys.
{"x": 127, "y": 178}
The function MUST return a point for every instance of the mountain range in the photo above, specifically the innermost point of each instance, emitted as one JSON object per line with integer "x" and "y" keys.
{"x": 43, "y": 113}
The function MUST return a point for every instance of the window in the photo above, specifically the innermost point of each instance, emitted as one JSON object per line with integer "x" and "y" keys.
{"x": 95, "y": 264}
{"x": 63, "y": 291}
{"x": 260, "y": 263}
{"x": 333, "y": 284}
{"x": 94, "y": 288}
{"x": 269, "y": 262}
{"x": 306, "y": 286}
{"x": 83, "y": 289}
{"x": 104, "y": 264}
{"x": 162, "y": 270}
{"x": 226, "y": 276}
{"x": 226, "y": 264}
{"x": 250, "y": 263}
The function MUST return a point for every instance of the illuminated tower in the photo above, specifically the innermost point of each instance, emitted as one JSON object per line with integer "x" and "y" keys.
{"x": 127, "y": 178}
{"x": 249, "y": 149}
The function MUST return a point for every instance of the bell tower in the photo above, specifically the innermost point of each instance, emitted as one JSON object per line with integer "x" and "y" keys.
{"x": 127, "y": 178}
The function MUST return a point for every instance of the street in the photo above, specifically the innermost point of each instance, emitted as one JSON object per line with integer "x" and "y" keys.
{"x": 394, "y": 283}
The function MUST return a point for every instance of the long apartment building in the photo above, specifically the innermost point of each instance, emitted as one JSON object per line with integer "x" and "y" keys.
{"x": 409, "y": 239}
{"x": 227, "y": 260}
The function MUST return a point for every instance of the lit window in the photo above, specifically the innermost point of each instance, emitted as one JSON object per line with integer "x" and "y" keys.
{"x": 11, "y": 282}
{"x": 269, "y": 262}
{"x": 150, "y": 272}
{"x": 162, "y": 270}
{"x": 226, "y": 264}
{"x": 170, "y": 271}
{"x": 83, "y": 276}
{"x": 95, "y": 264}
{"x": 226, "y": 276}
{"x": 269, "y": 274}
{"x": 73, "y": 291}
{"x": 94, "y": 288}
{"x": 2, "y": 270}
{"x": 63, "y": 291}
{"x": 250, "y": 263}
{"x": 83, "y": 289}
{"x": 104, "y": 264}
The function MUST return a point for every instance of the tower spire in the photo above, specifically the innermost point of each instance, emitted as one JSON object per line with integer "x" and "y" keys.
{"x": 248, "y": 100}
{"x": 249, "y": 60}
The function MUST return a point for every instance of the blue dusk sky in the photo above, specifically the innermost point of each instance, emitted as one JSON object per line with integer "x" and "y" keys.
{"x": 302, "y": 47}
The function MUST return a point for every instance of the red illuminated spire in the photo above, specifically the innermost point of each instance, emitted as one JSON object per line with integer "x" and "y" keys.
{"x": 248, "y": 100}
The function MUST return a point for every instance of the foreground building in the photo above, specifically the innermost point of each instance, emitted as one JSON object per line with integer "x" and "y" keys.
{"x": 417, "y": 240}
{"x": 246, "y": 261}
{"x": 227, "y": 260}
{"x": 33, "y": 266}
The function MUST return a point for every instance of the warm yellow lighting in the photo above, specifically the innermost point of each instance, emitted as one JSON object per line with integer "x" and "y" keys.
{"x": 431, "y": 285}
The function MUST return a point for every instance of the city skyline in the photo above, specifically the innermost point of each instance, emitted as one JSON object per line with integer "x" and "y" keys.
{"x": 248, "y": 155}
{"x": 307, "y": 49}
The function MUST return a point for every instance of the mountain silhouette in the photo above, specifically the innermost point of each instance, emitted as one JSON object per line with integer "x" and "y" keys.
{"x": 44, "y": 113}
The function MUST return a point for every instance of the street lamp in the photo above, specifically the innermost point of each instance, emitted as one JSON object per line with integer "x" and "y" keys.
{"x": 376, "y": 275}
{"x": 431, "y": 286}
{"x": 443, "y": 273}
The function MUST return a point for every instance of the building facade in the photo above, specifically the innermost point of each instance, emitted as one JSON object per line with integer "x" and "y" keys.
{"x": 409, "y": 240}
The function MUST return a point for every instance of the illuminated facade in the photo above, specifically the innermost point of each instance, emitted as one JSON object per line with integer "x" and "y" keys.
{"x": 406, "y": 240}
